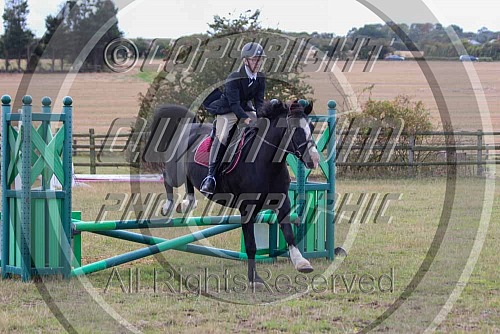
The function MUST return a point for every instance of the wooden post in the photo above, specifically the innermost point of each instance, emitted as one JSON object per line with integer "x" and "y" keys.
{"x": 92, "y": 151}
{"x": 75, "y": 142}
{"x": 411, "y": 155}
{"x": 479, "y": 152}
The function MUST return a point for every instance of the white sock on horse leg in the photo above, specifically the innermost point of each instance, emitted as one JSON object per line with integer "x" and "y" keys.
{"x": 189, "y": 203}
{"x": 167, "y": 207}
{"x": 299, "y": 262}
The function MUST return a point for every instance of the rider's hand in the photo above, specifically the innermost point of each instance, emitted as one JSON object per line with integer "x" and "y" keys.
{"x": 248, "y": 121}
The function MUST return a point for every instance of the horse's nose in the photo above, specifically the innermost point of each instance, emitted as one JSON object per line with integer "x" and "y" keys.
{"x": 311, "y": 165}
{"x": 315, "y": 159}
{"x": 314, "y": 154}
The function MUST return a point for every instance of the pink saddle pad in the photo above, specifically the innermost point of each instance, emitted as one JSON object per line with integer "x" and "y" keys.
{"x": 202, "y": 154}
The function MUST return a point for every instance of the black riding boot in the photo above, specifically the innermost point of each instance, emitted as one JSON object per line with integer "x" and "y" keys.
{"x": 217, "y": 152}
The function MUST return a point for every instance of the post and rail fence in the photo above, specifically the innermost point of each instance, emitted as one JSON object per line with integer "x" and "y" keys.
{"x": 102, "y": 151}
{"x": 470, "y": 150}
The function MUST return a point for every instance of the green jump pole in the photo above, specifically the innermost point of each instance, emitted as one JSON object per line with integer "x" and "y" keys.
{"x": 265, "y": 217}
{"x": 189, "y": 248}
{"x": 155, "y": 223}
{"x": 154, "y": 249}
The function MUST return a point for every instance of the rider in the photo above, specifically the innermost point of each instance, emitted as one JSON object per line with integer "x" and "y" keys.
{"x": 235, "y": 104}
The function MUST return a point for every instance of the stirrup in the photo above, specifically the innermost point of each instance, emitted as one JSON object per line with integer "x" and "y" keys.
{"x": 206, "y": 179}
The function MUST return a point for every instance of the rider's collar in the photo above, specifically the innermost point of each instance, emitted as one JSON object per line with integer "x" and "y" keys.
{"x": 250, "y": 74}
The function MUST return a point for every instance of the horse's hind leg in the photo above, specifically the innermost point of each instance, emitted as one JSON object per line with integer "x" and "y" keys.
{"x": 166, "y": 209}
{"x": 189, "y": 202}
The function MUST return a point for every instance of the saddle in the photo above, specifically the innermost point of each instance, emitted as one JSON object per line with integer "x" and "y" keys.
{"x": 233, "y": 152}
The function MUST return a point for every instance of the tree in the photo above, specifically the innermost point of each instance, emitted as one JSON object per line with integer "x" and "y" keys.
{"x": 2, "y": 54}
{"x": 17, "y": 36}
{"x": 57, "y": 42}
{"x": 390, "y": 116}
{"x": 369, "y": 30}
{"x": 104, "y": 10}
{"x": 458, "y": 30}
{"x": 142, "y": 46}
{"x": 81, "y": 23}
{"x": 484, "y": 35}
{"x": 57, "y": 47}
{"x": 228, "y": 25}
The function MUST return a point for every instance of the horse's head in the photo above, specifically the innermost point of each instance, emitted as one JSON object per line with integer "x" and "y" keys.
{"x": 299, "y": 128}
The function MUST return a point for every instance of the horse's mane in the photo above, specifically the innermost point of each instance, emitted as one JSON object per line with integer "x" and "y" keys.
{"x": 270, "y": 111}
{"x": 273, "y": 111}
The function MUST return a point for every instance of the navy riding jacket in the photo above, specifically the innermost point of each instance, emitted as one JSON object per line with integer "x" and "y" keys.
{"x": 237, "y": 96}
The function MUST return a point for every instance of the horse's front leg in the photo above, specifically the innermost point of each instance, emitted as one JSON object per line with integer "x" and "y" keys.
{"x": 299, "y": 262}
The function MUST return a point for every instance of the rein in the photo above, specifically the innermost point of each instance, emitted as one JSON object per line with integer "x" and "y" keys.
{"x": 296, "y": 147}
{"x": 272, "y": 145}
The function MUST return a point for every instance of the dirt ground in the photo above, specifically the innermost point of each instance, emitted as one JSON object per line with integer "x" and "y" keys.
{"x": 99, "y": 98}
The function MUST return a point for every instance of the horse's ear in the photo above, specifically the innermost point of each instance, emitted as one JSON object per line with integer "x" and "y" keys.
{"x": 308, "y": 108}
{"x": 296, "y": 108}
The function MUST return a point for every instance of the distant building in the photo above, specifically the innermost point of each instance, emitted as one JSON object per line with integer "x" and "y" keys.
{"x": 473, "y": 42}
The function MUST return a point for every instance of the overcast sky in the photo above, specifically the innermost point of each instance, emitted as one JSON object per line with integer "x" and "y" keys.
{"x": 174, "y": 18}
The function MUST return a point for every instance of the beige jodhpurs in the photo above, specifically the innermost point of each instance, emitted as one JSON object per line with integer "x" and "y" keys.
{"x": 225, "y": 123}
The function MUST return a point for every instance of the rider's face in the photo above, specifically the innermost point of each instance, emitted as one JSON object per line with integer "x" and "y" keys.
{"x": 253, "y": 63}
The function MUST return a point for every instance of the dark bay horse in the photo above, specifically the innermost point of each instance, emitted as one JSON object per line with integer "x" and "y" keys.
{"x": 260, "y": 181}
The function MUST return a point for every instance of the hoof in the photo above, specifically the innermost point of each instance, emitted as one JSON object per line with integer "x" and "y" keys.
{"x": 185, "y": 206}
{"x": 254, "y": 280}
{"x": 256, "y": 285}
{"x": 304, "y": 267}
{"x": 166, "y": 209}
{"x": 300, "y": 264}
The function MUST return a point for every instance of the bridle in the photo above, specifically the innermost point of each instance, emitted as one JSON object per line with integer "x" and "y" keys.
{"x": 295, "y": 147}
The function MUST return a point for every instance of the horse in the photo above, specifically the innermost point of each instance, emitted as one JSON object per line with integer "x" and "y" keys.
{"x": 259, "y": 181}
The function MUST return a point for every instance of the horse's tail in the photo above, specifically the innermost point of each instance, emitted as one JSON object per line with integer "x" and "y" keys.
{"x": 166, "y": 127}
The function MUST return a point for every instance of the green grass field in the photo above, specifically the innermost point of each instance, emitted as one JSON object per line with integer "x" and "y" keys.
{"x": 393, "y": 251}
